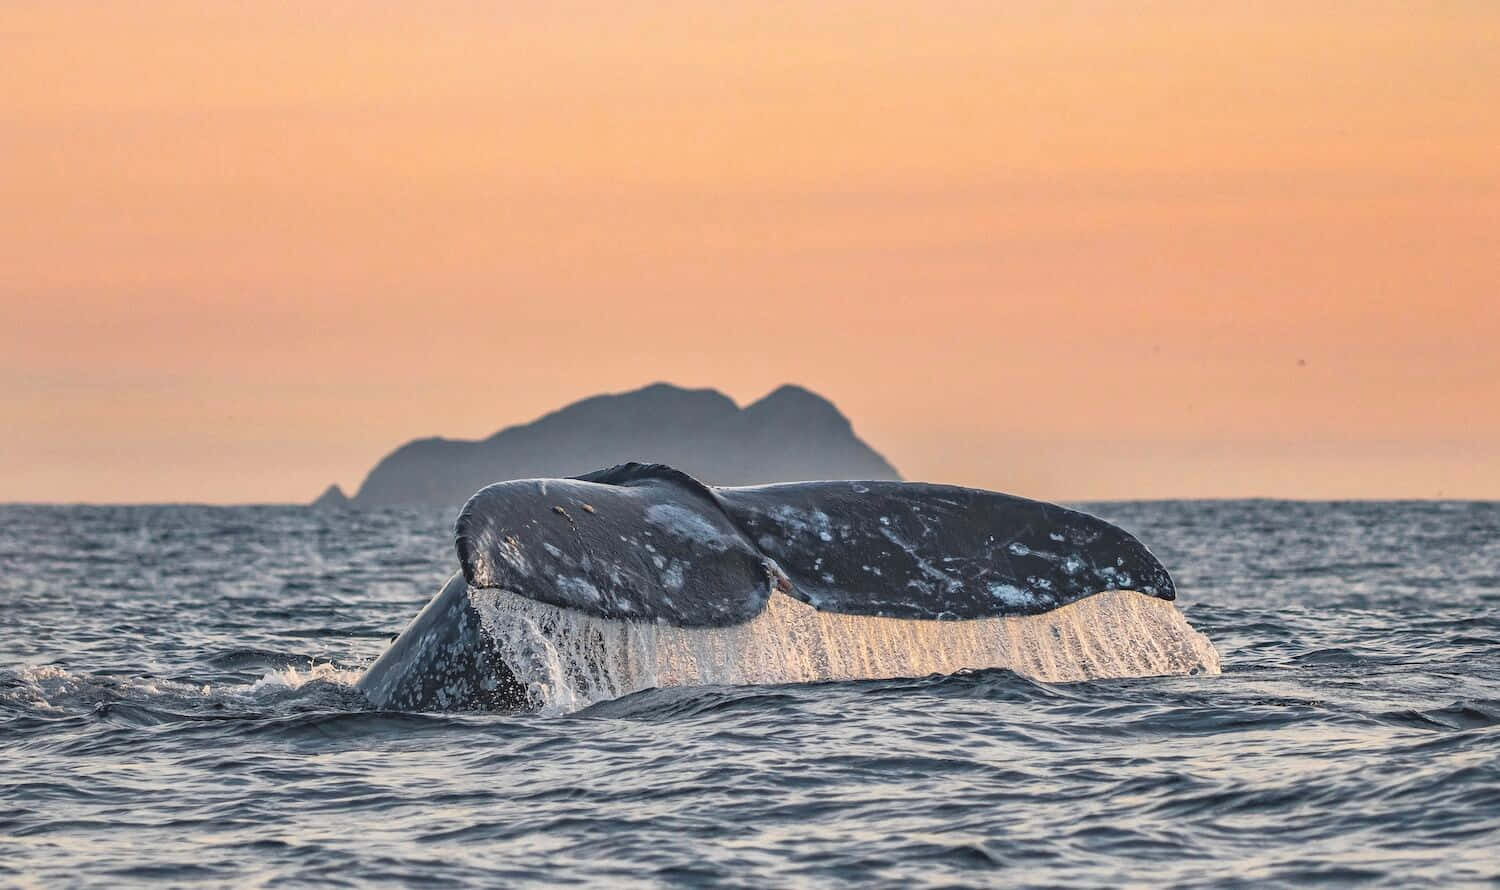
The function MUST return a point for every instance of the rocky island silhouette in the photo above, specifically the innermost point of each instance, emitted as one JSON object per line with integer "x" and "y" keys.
{"x": 792, "y": 434}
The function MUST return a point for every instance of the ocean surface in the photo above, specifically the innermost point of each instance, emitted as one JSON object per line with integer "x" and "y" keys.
{"x": 176, "y": 708}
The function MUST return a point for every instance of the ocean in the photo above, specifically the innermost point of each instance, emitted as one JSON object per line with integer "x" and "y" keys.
{"x": 177, "y": 709}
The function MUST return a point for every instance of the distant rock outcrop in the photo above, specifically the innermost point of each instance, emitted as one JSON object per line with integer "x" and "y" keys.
{"x": 332, "y": 497}
{"x": 790, "y": 435}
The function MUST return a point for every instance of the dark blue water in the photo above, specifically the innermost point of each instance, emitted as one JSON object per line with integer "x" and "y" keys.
{"x": 175, "y": 708}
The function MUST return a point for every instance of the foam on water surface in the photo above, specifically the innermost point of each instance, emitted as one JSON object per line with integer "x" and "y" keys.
{"x": 51, "y": 687}
{"x": 567, "y": 659}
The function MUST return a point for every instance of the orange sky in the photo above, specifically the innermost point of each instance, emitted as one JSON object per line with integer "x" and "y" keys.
{"x": 1071, "y": 251}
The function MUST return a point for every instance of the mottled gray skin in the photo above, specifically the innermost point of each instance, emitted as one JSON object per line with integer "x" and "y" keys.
{"x": 443, "y": 661}
{"x": 645, "y": 542}
{"x": 908, "y": 550}
{"x": 654, "y": 548}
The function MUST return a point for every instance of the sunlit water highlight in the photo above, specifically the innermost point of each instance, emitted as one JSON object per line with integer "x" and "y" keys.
{"x": 176, "y": 708}
{"x": 567, "y": 660}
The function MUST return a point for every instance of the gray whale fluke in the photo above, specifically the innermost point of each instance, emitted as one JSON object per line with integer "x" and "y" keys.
{"x": 609, "y": 564}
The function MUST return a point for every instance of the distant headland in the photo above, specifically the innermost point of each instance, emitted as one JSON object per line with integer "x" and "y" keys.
{"x": 792, "y": 434}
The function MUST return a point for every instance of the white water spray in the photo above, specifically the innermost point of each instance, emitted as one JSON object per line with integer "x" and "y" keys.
{"x": 567, "y": 659}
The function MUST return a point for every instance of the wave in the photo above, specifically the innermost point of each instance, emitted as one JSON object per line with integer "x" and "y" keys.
{"x": 53, "y": 688}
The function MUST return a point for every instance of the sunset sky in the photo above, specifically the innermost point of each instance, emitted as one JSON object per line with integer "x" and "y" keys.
{"x": 1069, "y": 250}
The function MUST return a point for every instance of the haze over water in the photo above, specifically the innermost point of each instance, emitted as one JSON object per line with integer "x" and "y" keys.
{"x": 175, "y": 708}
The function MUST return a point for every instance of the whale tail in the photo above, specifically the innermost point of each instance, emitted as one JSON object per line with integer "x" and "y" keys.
{"x": 648, "y": 542}
{"x": 572, "y": 590}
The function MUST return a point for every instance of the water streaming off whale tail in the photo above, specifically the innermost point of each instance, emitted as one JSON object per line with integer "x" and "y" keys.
{"x": 565, "y": 659}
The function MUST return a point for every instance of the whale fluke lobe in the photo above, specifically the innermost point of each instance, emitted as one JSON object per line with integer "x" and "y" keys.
{"x": 648, "y": 545}
{"x": 906, "y": 550}
{"x": 640, "y": 575}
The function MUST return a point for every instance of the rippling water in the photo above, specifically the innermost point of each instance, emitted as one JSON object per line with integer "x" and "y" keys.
{"x": 175, "y": 707}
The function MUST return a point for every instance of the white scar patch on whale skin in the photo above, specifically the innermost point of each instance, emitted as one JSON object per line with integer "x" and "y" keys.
{"x": 688, "y": 525}
{"x": 567, "y": 660}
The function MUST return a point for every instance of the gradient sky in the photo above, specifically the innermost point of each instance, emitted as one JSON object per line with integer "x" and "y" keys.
{"x": 1070, "y": 250}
